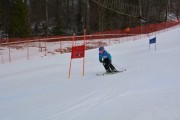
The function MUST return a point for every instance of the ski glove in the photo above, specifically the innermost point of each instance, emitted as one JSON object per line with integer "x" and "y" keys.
{"x": 110, "y": 61}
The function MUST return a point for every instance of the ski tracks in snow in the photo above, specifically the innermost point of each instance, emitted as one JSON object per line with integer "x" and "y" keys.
{"x": 97, "y": 95}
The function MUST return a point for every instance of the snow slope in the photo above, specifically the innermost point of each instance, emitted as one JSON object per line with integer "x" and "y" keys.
{"x": 148, "y": 90}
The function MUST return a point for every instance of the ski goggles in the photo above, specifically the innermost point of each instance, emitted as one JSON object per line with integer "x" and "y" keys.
{"x": 101, "y": 51}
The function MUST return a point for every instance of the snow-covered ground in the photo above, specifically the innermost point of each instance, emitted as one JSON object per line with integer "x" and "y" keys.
{"x": 149, "y": 89}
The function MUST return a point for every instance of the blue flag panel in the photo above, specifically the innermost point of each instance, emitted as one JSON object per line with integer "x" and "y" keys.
{"x": 153, "y": 40}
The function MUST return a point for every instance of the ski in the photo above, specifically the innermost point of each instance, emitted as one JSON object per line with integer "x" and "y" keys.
{"x": 110, "y": 73}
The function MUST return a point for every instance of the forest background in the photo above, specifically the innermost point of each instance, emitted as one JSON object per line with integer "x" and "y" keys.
{"x": 40, "y": 18}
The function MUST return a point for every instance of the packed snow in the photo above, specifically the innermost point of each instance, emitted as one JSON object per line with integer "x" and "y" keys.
{"x": 149, "y": 89}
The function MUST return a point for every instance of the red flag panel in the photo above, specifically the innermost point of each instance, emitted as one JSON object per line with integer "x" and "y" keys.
{"x": 78, "y": 51}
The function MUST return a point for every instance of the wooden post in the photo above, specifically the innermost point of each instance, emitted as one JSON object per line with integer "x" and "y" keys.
{"x": 45, "y": 49}
{"x": 28, "y": 50}
{"x": 2, "y": 57}
{"x": 9, "y": 51}
{"x": 60, "y": 50}
{"x": 60, "y": 46}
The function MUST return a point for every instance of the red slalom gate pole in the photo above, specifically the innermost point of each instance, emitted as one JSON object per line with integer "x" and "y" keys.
{"x": 71, "y": 57}
{"x": 84, "y": 50}
{"x": 70, "y": 69}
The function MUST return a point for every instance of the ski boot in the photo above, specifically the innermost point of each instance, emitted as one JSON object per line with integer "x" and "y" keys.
{"x": 114, "y": 70}
{"x": 108, "y": 71}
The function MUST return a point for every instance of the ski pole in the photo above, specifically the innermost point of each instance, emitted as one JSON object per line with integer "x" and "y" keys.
{"x": 120, "y": 67}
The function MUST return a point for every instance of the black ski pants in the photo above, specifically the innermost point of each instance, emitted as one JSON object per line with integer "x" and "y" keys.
{"x": 107, "y": 64}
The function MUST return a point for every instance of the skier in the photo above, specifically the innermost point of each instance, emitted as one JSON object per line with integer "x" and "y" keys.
{"x": 106, "y": 59}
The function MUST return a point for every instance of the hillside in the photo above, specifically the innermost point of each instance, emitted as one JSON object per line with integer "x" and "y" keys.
{"x": 148, "y": 90}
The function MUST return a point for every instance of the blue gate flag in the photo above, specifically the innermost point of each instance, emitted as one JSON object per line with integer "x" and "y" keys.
{"x": 153, "y": 40}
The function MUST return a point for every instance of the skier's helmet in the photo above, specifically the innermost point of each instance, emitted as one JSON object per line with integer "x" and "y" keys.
{"x": 101, "y": 48}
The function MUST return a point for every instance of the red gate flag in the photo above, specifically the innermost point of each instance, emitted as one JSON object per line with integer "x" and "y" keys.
{"x": 78, "y": 51}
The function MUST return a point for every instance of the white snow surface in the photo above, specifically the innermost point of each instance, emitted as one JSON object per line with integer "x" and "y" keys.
{"x": 149, "y": 89}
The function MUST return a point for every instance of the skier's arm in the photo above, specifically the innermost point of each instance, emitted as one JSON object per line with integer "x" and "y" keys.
{"x": 109, "y": 56}
{"x": 100, "y": 59}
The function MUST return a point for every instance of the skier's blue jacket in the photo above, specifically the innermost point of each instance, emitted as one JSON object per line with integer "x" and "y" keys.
{"x": 104, "y": 55}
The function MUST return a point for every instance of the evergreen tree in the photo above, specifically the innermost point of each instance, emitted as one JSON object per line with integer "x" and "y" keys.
{"x": 1, "y": 11}
{"x": 19, "y": 26}
{"x": 79, "y": 18}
